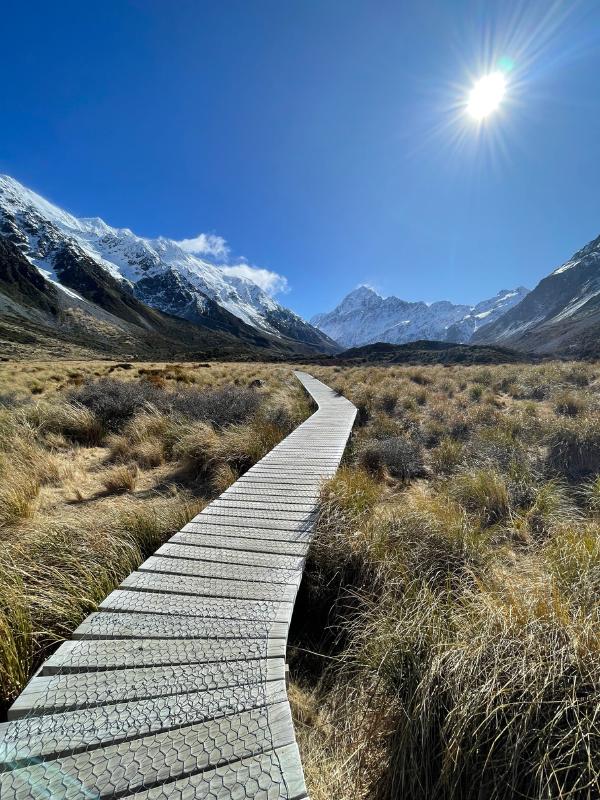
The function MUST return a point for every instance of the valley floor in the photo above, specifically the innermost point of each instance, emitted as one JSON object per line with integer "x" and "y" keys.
{"x": 446, "y": 639}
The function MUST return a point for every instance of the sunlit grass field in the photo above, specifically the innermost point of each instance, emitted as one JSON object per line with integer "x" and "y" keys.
{"x": 100, "y": 462}
{"x": 452, "y": 593}
{"x": 446, "y": 640}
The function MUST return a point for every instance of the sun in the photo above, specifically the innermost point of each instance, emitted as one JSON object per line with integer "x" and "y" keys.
{"x": 486, "y": 95}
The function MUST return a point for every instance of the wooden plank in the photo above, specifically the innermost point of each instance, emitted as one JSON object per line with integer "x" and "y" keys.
{"x": 98, "y": 654}
{"x": 65, "y": 692}
{"x": 243, "y": 510}
{"x": 257, "y": 510}
{"x": 129, "y": 625}
{"x": 294, "y": 494}
{"x": 209, "y": 587}
{"x": 203, "y": 607}
{"x": 134, "y": 765}
{"x": 216, "y": 569}
{"x": 228, "y": 540}
{"x": 274, "y": 774}
{"x": 71, "y": 732}
{"x": 249, "y": 521}
{"x": 281, "y": 484}
{"x": 251, "y": 503}
{"x": 245, "y": 528}
{"x": 220, "y": 554}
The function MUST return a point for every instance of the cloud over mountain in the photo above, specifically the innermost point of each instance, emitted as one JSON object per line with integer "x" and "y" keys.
{"x": 270, "y": 282}
{"x": 206, "y": 244}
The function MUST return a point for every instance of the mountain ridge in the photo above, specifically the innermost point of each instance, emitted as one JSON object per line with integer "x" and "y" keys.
{"x": 157, "y": 272}
{"x": 561, "y": 314}
{"x": 364, "y": 317}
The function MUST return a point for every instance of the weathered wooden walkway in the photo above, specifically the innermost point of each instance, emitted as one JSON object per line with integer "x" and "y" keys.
{"x": 176, "y": 688}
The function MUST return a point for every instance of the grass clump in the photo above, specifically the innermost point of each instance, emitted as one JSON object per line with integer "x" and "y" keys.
{"x": 482, "y": 492}
{"x": 447, "y": 456}
{"x": 399, "y": 456}
{"x": 120, "y": 479}
{"x": 574, "y": 448}
{"x": 569, "y": 404}
{"x": 17, "y": 499}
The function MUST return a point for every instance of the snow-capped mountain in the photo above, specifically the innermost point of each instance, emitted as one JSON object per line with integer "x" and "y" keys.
{"x": 156, "y": 271}
{"x": 484, "y": 313}
{"x": 562, "y": 313}
{"x": 365, "y": 317}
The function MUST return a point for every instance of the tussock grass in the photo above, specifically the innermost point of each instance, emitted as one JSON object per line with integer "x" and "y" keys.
{"x": 99, "y": 464}
{"x": 483, "y": 492}
{"x": 447, "y": 456}
{"x": 459, "y": 653}
{"x": 120, "y": 479}
{"x": 574, "y": 448}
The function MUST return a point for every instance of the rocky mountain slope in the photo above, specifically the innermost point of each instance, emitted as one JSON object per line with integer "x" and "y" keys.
{"x": 88, "y": 261}
{"x": 562, "y": 313}
{"x": 42, "y": 319}
{"x": 364, "y": 317}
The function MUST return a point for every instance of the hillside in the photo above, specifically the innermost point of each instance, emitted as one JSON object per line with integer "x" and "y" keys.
{"x": 426, "y": 352}
{"x": 561, "y": 315}
{"x": 143, "y": 282}
{"x": 42, "y": 319}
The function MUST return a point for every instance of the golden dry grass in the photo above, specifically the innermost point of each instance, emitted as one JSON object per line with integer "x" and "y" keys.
{"x": 456, "y": 579}
{"x": 86, "y": 496}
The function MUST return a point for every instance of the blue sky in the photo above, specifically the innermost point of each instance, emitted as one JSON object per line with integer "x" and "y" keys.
{"x": 324, "y": 140}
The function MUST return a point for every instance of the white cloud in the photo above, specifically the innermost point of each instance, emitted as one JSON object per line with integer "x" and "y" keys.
{"x": 215, "y": 247}
{"x": 270, "y": 282}
{"x": 206, "y": 244}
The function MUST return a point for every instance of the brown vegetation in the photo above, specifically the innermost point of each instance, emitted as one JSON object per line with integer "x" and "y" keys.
{"x": 446, "y": 640}
{"x": 99, "y": 464}
{"x": 456, "y": 577}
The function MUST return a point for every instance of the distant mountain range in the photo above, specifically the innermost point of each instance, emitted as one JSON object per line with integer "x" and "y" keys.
{"x": 81, "y": 288}
{"x": 560, "y": 316}
{"x": 108, "y": 290}
{"x": 365, "y": 317}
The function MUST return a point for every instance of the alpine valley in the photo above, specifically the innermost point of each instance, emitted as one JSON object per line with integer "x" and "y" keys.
{"x": 79, "y": 287}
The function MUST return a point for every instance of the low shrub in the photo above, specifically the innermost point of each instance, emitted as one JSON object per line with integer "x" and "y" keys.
{"x": 114, "y": 402}
{"x": 231, "y": 405}
{"x": 401, "y": 456}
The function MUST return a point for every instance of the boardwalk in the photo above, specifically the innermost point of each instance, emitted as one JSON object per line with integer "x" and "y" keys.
{"x": 176, "y": 688}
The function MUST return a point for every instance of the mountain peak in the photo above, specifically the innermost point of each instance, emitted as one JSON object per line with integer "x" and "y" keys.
{"x": 365, "y": 317}
{"x": 360, "y": 297}
{"x": 364, "y": 290}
